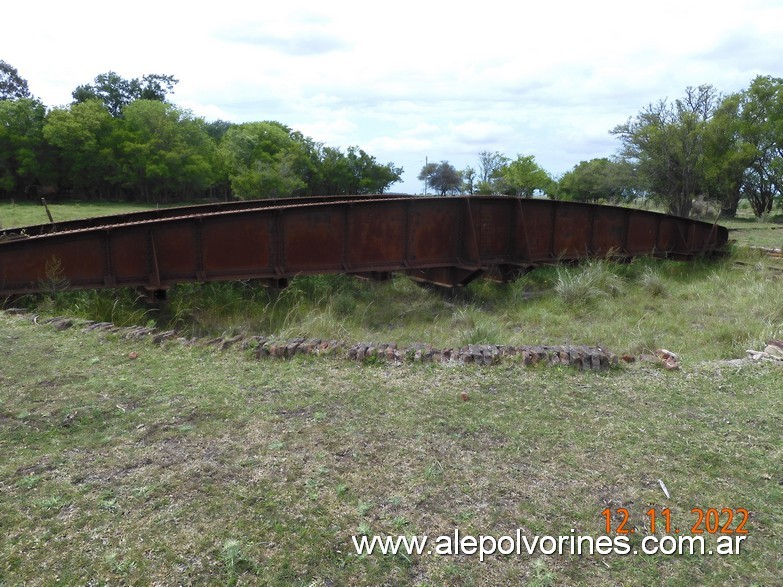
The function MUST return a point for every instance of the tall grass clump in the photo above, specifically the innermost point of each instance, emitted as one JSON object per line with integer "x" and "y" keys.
{"x": 588, "y": 283}
{"x": 243, "y": 307}
{"x": 121, "y": 307}
{"x": 763, "y": 304}
{"x": 474, "y": 327}
{"x": 653, "y": 282}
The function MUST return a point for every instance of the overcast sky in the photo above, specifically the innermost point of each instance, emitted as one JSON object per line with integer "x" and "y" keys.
{"x": 408, "y": 80}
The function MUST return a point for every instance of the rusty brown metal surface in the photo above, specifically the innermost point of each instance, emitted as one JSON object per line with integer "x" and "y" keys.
{"x": 446, "y": 241}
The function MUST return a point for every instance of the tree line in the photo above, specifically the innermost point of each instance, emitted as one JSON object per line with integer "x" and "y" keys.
{"x": 704, "y": 145}
{"x": 496, "y": 175}
{"x": 123, "y": 139}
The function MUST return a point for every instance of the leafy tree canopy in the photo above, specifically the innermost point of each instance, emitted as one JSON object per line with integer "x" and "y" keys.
{"x": 166, "y": 149}
{"x": 443, "y": 177}
{"x": 524, "y": 177}
{"x": 12, "y": 85}
{"x": 117, "y": 92}
{"x": 727, "y": 155}
{"x": 468, "y": 180}
{"x": 490, "y": 176}
{"x": 86, "y": 136}
{"x": 713, "y": 146}
{"x": 24, "y": 158}
{"x": 761, "y": 129}
{"x": 598, "y": 179}
{"x": 264, "y": 160}
{"x": 666, "y": 144}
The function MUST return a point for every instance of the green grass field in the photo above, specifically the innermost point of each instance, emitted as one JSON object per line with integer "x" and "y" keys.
{"x": 29, "y": 213}
{"x": 756, "y": 233}
{"x": 191, "y": 466}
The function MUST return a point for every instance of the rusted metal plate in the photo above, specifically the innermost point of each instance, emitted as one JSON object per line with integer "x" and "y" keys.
{"x": 374, "y": 237}
{"x": 536, "y": 228}
{"x": 233, "y": 246}
{"x": 610, "y": 232}
{"x": 447, "y": 241}
{"x": 129, "y": 255}
{"x": 435, "y": 233}
{"x": 494, "y": 231}
{"x": 312, "y": 240}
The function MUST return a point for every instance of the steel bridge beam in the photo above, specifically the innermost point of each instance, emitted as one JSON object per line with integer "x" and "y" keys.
{"x": 447, "y": 241}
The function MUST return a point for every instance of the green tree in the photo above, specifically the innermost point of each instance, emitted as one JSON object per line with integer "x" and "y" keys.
{"x": 25, "y": 160}
{"x": 762, "y": 128}
{"x": 468, "y": 180}
{"x": 332, "y": 175}
{"x": 164, "y": 151}
{"x": 117, "y": 92}
{"x": 352, "y": 172}
{"x": 597, "y": 179}
{"x": 443, "y": 177}
{"x": 524, "y": 177}
{"x": 12, "y": 85}
{"x": 368, "y": 176}
{"x": 120, "y": 137}
{"x": 490, "y": 176}
{"x": 727, "y": 155}
{"x": 666, "y": 144}
{"x": 265, "y": 160}
{"x": 84, "y": 136}
{"x": 217, "y": 129}
{"x": 427, "y": 170}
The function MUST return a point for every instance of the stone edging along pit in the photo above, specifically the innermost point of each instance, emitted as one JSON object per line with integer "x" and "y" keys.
{"x": 577, "y": 356}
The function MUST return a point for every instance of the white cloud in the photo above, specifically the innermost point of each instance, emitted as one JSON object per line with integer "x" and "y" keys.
{"x": 337, "y": 132}
{"x": 303, "y": 41}
{"x": 478, "y": 132}
{"x": 399, "y": 144}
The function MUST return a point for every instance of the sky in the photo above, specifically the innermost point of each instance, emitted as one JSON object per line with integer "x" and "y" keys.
{"x": 408, "y": 81}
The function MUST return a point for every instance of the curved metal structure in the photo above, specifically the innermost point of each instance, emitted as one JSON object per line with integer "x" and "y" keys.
{"x": 446, "y": 241}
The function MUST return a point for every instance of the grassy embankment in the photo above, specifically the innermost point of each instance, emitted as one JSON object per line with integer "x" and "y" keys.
{"x": 187, "y": 465}
{"x": 28, "y": 213}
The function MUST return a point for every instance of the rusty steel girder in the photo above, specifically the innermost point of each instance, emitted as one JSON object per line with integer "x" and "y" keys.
{"x": 446, "y": 241}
